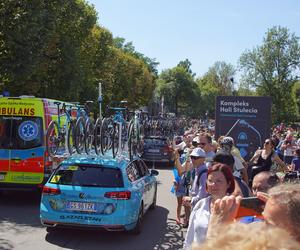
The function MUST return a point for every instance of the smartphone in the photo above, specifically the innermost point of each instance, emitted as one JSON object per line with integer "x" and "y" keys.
{"x": 251, "y": 206}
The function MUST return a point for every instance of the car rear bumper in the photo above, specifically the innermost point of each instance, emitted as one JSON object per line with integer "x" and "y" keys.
{"x": 55, "y": 224}
{"x": 114, "y": 222}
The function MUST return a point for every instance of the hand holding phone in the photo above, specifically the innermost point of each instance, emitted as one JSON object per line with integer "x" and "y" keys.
{"x": 251, "y": 206}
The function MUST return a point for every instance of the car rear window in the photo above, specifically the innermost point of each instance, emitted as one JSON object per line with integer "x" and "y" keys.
{"x": 88, "y": 176}
{"x": 156, "y": 141}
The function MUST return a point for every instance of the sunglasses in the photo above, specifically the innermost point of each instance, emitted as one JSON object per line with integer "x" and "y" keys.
{"x": 202, "y": 143}
{"x": 267, "y": 142}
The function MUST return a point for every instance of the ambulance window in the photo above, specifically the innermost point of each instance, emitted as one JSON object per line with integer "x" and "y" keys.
{"x": 21, "y": 132}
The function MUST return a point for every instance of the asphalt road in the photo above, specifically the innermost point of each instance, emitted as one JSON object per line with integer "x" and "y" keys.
{"x": 20, "y": 227}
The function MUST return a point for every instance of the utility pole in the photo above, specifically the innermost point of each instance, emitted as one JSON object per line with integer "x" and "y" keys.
{"x": 100, "y": 100}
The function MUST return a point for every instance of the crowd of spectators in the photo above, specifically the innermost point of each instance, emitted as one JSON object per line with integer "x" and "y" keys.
{"x": 213, "y": 178}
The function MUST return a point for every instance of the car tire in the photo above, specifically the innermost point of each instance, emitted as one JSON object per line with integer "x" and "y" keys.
{"x": 153, "y": 205}
{"x": 138, "y": 227}
{"x": 50, "y": 229}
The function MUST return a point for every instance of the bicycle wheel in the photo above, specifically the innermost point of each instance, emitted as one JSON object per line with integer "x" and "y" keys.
{"x": 124, "y": 136}
{"x": 53, "y": 139}
{"x": 131, "y": 142}
{"x": 107, "y": 131}
{"x": 97, "y": 136}
{"x": 71, "y": 137}
{"x": 140, "y": 140}
{"x": 115, "y": 139}
{"x": 89, "y": 136}
{"x": 79, "y": 135}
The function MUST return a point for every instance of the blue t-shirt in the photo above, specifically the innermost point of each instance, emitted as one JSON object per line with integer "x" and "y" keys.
{"x": 296, "y": 162}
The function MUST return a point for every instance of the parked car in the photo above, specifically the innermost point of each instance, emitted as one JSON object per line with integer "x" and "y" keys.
{"x": 157, "y": 149}
{"x": 98, "y": 192}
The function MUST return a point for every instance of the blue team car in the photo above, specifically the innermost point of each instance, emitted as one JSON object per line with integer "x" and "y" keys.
{"x": 98, "y": 192}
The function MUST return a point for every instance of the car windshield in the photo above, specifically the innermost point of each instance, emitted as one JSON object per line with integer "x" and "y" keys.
{"x": 20, "y": 132}
{"x": 158, "y": 142}
{"x": 88, "y": 176}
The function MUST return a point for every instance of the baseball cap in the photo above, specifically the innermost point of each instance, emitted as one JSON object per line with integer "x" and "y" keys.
{"x": 198, "y": 152}
{"x": 196, "y": 139}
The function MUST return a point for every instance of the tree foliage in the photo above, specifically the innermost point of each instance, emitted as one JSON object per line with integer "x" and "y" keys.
{"x": 217, "y": 81}
{"x": 271, "y": 69}
{"x": 179, "y": 89}
{"x": 56, "y": 49}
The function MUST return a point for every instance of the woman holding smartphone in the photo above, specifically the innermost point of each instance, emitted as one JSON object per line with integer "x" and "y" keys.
{"x": 220, "y": 182}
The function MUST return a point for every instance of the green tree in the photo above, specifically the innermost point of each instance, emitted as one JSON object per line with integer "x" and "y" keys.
{"x": 271, "y": 70}
{"x": 296, "y": 96}
{"x": 221, "y": 76}
{"x": 179, "y": 89}
{"x": 217, "y": 81}
{"x": 129, "y": 48}
{"x": 41, "y": 47}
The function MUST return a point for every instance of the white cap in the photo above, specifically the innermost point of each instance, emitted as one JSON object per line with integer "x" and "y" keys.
{"x": 198, "y": 152}
{"x": 196, "y": 139}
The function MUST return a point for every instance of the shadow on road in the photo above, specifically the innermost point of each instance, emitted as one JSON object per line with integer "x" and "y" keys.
{"x": 20, "y": 208}
{"x": 158, "y": 232}
{"x": 5, "y": 244}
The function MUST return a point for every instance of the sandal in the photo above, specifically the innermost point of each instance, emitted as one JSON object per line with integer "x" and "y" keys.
{"x": 178, "y": 222}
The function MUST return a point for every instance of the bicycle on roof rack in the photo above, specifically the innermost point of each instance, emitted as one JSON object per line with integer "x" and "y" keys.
{"x": 61, "y": 131}
{"x": 84, "y": 129}
{"x": 135, "y": 135}
{"x": 114, "y": 134}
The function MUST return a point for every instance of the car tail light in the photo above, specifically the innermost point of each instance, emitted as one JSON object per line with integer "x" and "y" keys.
{"x": 51, "y": 191}
{"x": 122, "y": 195}
{"x": 48, "y": 163}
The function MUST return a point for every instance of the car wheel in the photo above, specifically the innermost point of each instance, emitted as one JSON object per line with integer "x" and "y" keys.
{"x": 50, "y": 229}
{"x": 138, "y": 227}
{"x": 153, "y": 205}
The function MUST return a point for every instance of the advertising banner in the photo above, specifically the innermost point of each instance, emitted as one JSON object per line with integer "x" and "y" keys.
{"x": 246, "y": 119}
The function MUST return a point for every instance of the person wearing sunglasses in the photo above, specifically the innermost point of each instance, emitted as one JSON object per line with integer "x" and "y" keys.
{"x": 195, "y": 164}
{"x": 205, "y": 142}
{"x": 263, "y": 159}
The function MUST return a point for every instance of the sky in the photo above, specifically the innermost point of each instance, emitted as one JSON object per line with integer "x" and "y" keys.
{"x": 202, "y": 31}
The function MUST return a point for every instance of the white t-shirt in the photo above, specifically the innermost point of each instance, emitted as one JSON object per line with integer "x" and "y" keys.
{"x": 181, "y": 145}
{"x": 198, "y": 224}
{"x": 238, "y": 165}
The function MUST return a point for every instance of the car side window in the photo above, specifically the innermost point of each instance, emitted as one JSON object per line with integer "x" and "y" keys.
{"x": 144, "y": 167}
{"x": 133, "y": 172}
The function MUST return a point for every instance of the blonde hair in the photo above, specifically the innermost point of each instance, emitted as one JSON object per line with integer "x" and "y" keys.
{"x": 288, "y": 196}
{"x": 255, "y": 236}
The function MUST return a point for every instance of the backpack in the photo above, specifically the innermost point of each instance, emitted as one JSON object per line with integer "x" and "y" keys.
{"x": 199, "y": 176}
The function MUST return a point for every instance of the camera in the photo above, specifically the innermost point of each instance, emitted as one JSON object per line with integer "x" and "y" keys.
{"x": 250, "y": 206}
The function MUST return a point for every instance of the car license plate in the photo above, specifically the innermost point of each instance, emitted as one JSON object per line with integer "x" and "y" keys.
{"x": 153, "y": 150}
{"x": 2, "y": 177}
{"x": 81, "y": 206}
